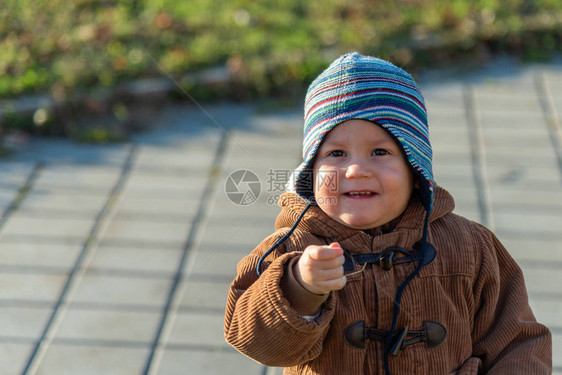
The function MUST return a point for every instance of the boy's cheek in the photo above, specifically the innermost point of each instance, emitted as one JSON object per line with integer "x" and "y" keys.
{"x": 326, "y": 182}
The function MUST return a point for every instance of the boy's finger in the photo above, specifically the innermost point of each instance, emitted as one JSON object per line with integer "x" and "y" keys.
{"x": 335, "y": 284}
{"x": 325, "y": 252}
{"x": 330, "y": 274}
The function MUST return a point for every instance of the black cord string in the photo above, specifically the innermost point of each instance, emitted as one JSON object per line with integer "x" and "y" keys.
{"x": 398, "y": 298}
{"x": 282, "y": 239}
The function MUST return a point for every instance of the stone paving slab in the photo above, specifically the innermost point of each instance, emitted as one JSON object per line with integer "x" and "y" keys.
{"x": 139, "y": 228}
{"x": 7, "y": 196}
{"x": 100, "y": 288}
{"x": 170, "y": 160}
{"x": 34, "y": 287}
{"x": 511, "y": 176}
{"x": 198, "y": 329}
{"x": 154, "y": 180}
{"x": 108, "y": 325}
{"x": 24, "y": 323}
{"x": 547, "y": 311}
{"x": 203, "y": 294}
{"x": 13, "y": 354}
{"x": 116, "y": 259}
{"x": 72, "y": 359}
{"x": 78, "y": 178}
{"x": 517, "y": 196}
{"x": 176, "y": 362}
{"x": 62, "y": 201}
{"x": 525, "y": 249}
{"x": 137, "y": 260}
{"x": 61, "y": 152}
{"x": 219, "y": 265}
{"x": 35, "y": 254}
{"x": 159, "y": 206}
{"x": 544, "y": 280}
{"x": 21, "y": 224}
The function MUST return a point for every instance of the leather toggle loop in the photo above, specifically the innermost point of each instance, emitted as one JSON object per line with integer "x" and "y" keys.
{"x": 436, "y": 333}
{"x": 389, "y": 257}
{"x": 349, "y": 264}
{"x": 430, "y": 252}
{"x": 433, "y": 334}
{"x": 354, "y": 335}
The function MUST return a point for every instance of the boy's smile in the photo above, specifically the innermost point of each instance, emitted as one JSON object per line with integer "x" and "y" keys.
{"x": 371, "y": 182}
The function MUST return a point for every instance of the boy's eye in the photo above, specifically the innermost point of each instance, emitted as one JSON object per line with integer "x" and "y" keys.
{"x": 380, "y": 152}
{"x": 337, "y": 153}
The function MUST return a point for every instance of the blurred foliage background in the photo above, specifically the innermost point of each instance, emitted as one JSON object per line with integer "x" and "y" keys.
{"x": 71, "y": 48}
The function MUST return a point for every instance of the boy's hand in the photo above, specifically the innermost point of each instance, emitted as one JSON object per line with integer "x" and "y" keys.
{"x": 320, "y": 268}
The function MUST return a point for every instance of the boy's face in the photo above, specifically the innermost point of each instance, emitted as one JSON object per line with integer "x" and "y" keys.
{"x": 361, "y": 177}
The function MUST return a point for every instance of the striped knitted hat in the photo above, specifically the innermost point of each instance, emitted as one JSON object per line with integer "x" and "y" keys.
{"x": 363, "y": 87}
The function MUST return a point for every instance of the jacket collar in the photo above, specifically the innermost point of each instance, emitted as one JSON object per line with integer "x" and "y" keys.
{"x": 318, "y": 223}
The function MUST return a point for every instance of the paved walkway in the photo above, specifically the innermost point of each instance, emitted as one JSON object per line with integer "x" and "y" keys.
{"x": 116, "y": 259}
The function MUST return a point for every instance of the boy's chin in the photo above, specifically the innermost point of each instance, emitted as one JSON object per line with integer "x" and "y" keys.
{"x": 359, "y": 223}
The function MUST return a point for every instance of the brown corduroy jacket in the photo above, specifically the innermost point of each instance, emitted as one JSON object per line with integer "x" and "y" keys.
{"x": 473, "y": 288}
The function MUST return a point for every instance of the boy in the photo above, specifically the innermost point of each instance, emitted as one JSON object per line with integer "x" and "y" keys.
{"x": 369, "y": 270}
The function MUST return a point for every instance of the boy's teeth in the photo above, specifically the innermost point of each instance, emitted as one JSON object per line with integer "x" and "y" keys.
{"x": 360, "y": 193}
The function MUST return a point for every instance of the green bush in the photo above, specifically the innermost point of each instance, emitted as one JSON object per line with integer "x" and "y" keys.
{"x": 66, "y": 47}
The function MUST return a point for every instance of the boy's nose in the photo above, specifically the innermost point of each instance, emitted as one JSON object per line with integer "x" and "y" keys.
{"x": 357, "y": 170}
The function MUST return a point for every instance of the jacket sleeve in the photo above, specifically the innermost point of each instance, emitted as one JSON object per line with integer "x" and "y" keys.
{"x": 259, "y": 320}
{"x": 506, "y": 335}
